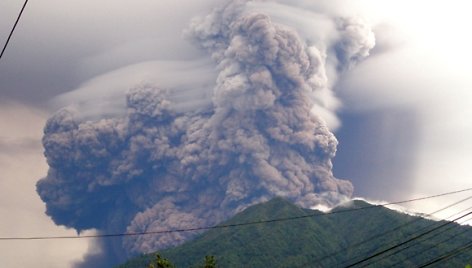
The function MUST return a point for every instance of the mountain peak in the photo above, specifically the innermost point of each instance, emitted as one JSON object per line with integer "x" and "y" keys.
{"x": 354, "y": 203}
{"x": 277, "y": 207}
{"x": 314, "y": 240}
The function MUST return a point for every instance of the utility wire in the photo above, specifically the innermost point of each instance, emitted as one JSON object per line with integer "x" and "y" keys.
{"x": 382, "y": 234}
{"x": 318, "y": 214}
{"x": 448, "y": 255}
{"x": 423, "y": 250}
{"x": 398, "y": 227}
{"x": 13, "y": 29}
{"x": 432, "y": 235}
{"x": 406, "y": 241}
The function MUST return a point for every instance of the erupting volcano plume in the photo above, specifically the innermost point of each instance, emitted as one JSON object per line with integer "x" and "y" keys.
{"x": 174, "y": 158}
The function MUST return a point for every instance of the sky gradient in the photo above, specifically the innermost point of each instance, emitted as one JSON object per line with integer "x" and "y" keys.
{"x": 403, "y": 123}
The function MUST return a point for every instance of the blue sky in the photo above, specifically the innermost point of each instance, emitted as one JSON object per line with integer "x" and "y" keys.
{"x": 404, "y": 115}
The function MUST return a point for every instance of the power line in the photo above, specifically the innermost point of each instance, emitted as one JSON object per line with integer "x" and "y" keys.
{"x": 378, "y": 235}
{"x": 13, "y": 29}
{"x": 406, "y": 241}
{"x": 433, "y": 235}
{"x": 423, "y": 250}
{"x": 230, "y": 225}
{"x": 448, "y": 255}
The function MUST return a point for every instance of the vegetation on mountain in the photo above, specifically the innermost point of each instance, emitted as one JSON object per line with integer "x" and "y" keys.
{"x": 320, "y": 240}
{"x": 160, "y": 262}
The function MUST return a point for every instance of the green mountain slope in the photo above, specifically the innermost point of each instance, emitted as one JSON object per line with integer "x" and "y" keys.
{"x": 319, "y": 240}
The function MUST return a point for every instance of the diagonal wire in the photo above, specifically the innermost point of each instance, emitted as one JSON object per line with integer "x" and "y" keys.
{"x": 420, "y": 240}
{"x": 221, "y": 226}
{"x": 320, "y": 260}
{"x": 459, "y": 250}
{"x": 406, "y": 241}
{"x": 13, "y": 29}
{"x": 444, "y": 241}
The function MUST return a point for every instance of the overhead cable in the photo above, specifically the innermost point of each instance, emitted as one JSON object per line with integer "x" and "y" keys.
{"x": 13, "y": 29}
{"x": 221, "y": 226}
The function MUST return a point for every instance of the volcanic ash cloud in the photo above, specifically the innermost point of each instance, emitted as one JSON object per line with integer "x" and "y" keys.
{"x": 157, "y": 167}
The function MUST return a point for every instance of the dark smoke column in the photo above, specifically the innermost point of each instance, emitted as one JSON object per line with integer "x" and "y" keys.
{"x": 157, "y": 168}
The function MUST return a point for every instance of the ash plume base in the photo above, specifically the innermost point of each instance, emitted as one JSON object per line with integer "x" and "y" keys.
{"x": 193, "y": 146}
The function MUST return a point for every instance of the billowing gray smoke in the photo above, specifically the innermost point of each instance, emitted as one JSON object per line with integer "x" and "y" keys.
{"x": 158, "y": 168}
